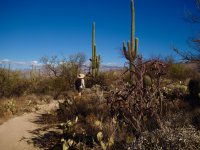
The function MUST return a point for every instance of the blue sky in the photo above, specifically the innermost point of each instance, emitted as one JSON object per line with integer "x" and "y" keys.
{"x": 30, "y": 29}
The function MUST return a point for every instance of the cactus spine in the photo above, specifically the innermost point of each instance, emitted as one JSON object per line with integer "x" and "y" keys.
{"x": 95, "y": 58}
{"x": 130, "y": 52}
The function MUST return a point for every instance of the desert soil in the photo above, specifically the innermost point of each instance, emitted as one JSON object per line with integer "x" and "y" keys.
{"x": 15, "y": 133}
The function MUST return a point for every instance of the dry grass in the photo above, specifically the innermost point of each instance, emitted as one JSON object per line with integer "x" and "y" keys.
{"x": 180, "y": 130}
{"x": 86, "y": 116}
{"x": 10, "y": 107}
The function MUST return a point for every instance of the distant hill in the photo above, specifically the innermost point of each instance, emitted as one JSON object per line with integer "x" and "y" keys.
{"x": 104, "y": 67}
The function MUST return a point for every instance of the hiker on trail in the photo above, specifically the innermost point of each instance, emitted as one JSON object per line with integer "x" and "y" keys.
{"x": 80, "y": 83}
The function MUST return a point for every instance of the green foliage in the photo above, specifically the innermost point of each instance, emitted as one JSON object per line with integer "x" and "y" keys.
{"x": 58, "y": 76}
{"x": 107, "y": 80}
{"x": 180, "y": 72}
{"x": 41, "y": 85}
{"x": 61, "y": 73}
{"x": 12, "y": 84}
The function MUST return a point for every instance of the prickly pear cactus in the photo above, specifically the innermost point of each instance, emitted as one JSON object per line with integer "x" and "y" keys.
{"x": 105, "y": 145}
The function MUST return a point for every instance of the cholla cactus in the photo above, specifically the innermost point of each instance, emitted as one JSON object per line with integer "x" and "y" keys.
{"x": 66, "y": 145}
{"x": 69, "y": 143}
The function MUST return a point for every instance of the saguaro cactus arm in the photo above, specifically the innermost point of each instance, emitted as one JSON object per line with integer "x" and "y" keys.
{"x": 125, "y": 51}
{"x": 136, "y": 46}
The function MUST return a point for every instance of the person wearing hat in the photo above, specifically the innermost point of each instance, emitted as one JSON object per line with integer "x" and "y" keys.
{"x": 80, "y": 83}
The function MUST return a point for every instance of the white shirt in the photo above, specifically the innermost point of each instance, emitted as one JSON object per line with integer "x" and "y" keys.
{"x": 82, "y": 83}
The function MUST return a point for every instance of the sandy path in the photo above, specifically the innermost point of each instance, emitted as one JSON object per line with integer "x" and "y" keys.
{"x": 16, "y": 129}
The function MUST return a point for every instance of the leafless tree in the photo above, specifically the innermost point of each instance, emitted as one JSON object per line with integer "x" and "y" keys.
{"x": 62, "y": 72}
{"x": 194, "y": 42}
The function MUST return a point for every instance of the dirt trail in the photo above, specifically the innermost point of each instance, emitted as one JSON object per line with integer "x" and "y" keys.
{"x": 14, "y": 131}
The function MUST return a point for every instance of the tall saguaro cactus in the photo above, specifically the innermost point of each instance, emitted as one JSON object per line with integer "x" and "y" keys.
{"x": 95, "y": 59}
{"x": 130, "y": 52}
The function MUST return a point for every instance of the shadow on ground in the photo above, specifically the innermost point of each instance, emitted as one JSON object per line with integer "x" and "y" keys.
{"x": 47, "y": 136}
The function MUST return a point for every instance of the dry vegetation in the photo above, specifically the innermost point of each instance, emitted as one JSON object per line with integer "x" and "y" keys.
{"x": 159, "y": 109}
{"x": 151, "y": 104}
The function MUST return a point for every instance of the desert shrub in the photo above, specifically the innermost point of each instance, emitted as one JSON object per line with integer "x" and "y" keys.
{"x": 180, "y": 72}
{"x": 111, "y": 77}
{"x": 175, "y": 91}
{"x": 40, "y": 85}
{"x": 91, "y": 81}
{"x": 12, "y": 83}
{"x": 19, "y": 86}
{"x": 8, "y": 108}
{"x": 85, "y": 118}
{"x": 4, "y": 82}
{"x": 62, "y": 73}
{"x": 19, "y": 105}
{"x": 169, "y": 138}
{"x": 81, "y": 106}
{"x": 104, "y": 79}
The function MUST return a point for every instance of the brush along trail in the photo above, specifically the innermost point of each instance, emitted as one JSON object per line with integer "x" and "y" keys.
{"x": 17, "y": 131}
